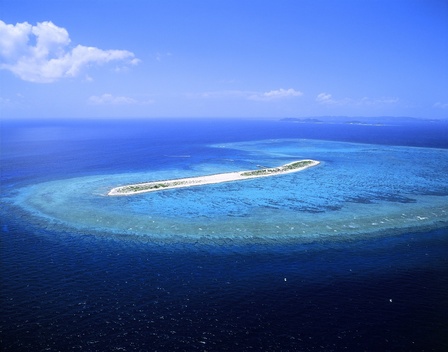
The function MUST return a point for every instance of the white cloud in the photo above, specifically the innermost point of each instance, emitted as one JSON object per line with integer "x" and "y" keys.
{"x": 441, "y": 105}
{"x": 13, "y": 39}
{"x": 251, "y": 95}
{"x": 161, "y": 56}
{"x": 109, "y": 99}
{"x": 276, "y": 94}
{"x": 42, "y": 54}
{"x": 327, "y": 99}
{"x": 378, "y": 101}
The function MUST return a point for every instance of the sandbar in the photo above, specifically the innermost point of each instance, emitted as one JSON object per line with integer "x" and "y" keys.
{"x": 211, "y": 179}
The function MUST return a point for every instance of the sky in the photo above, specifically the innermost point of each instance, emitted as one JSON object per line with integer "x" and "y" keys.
{"x": 223, "y": 58}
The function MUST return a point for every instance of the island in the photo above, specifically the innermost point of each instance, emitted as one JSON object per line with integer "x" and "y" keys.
{"x": 211, "y": 179}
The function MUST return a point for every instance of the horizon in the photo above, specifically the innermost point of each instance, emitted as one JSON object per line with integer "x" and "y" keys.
{"x": 303, "y": 119}
{"x": 297, "y": 59}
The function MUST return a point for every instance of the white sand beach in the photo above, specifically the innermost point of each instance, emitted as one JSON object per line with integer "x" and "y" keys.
{"x": 154, "y": 186}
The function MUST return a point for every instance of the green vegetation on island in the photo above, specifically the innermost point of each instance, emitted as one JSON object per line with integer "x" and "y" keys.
{"x": 144, "y": 187}
{"x": 274, "y": 170}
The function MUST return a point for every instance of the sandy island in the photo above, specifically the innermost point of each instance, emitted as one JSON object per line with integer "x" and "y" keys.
{"x": 211, "y": 179}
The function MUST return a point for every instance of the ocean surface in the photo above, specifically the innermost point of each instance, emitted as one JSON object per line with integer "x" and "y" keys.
{"x": 350, "y": 255}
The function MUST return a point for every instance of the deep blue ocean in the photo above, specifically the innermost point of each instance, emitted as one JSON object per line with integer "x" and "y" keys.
{"x": 350, "y": 255}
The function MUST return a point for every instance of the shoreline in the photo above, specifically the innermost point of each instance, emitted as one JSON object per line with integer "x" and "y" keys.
{"x": 155, "y": 186}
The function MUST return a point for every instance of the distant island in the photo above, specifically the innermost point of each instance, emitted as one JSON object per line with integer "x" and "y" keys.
{"x": 211, "y": 179}
{"x": 364, "y": 121}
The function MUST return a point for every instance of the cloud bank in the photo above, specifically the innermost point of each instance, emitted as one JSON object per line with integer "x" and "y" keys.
{"x": 327, "y": 99}
{"x": 276, "y": 94}
{"x": 251, "y": 95}
{"x": 109, "y": 99}
{"x": 42, "y": 54}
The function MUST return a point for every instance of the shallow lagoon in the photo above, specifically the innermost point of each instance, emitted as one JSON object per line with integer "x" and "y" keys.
{"x": 358, "y": 190}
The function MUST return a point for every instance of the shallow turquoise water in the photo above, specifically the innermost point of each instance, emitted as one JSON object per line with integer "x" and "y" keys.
{"x": 358, "y": 190}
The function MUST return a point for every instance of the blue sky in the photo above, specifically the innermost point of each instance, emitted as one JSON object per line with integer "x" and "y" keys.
{"x": 223, "y": 58}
